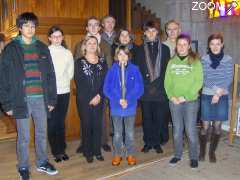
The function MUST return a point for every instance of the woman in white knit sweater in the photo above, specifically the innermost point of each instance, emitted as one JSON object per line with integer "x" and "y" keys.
{"x": 64, "y": 68}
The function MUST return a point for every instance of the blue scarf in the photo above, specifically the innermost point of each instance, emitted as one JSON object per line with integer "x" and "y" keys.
{"x": 216, "y": 58}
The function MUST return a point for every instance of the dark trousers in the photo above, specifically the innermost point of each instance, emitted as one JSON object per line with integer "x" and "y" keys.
{"x": 56, "y": 125}
{"x": 91, "y": 122}
{"x": 155, "y": 122}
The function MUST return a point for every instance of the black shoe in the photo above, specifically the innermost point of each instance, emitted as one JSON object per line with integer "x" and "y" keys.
{"x": 79, "y": 149}
{"x": 106, "y": 148}
{"x": 158, "y": 149}
{"x": 89, "y": 159}
{"x": 163, "y": 143}
{"x": 57, "y": 158}
{"x": 146, "y": 148}
{"x": 65, "y": 157}
{"x": 100, "y": 158}
{"x": 24, "y": 174}
{"x": 174, "y": 161}
{"x": 194, "y": 164}
{"x": 47, "y": 168}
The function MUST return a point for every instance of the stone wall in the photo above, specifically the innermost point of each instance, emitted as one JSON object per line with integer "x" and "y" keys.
{"x": 197, "y": 24}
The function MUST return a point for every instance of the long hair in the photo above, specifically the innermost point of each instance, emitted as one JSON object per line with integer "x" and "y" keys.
{"x": 54, "y": 29}
{"x": 84, "y": 42}
{"x": 192, "y": 56}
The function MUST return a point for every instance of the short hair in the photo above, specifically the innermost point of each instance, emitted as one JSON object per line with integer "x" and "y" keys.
{"x": 212, "y": 37}
{"x": 170, "y": 22}
{"x": 117, "y": 41}
{"x": 108, "y": 16}
{"x": 25, "y": 18}
{"x": 124, "y": 49}
{"x": 2, "y": 37}
{"x": 151, "y": 24}
{"x": 84, "y": 42}
{"x": 92, "y": 18}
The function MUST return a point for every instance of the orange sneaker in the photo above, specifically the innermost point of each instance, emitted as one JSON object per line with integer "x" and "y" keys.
{"x": 116, "y": 160}
{"x": 131, "y": 160}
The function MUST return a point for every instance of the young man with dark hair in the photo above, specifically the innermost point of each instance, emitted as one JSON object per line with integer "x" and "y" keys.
{"x": 152, "y": 58}
{"x": 28, "y": 88}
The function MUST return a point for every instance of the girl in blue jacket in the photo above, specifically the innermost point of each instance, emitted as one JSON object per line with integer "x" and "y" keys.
{"x": 123, "y": 105}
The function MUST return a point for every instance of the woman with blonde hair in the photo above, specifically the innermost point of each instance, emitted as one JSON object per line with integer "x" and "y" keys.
{"x": 89, "y": 75}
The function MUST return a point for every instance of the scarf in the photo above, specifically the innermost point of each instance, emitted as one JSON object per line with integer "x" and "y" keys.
{"x": 154, "y": 72}
{"x": 216, "y": 58}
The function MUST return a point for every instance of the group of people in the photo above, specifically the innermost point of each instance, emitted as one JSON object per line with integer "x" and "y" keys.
{"x": 167, "y": 79}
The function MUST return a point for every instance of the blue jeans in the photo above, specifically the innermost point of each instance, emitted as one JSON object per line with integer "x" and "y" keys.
{"x": 118, "y": 134}
{"x": 185, "y": 116}
{"x": 36, "y": 108}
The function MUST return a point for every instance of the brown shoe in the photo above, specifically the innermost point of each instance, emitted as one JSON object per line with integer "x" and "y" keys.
{"x": 116, "y": 160}
{"x": 131, "y": 160}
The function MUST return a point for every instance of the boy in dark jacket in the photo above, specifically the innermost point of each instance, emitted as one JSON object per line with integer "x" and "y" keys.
{"x": 123, "y": 86}
{"x": 152, "y": 58}
{"x": 28, "y": 88}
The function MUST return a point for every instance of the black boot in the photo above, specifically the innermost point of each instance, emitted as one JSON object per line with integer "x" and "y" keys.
{"x": 203, "y": 143}
{"x": 213, "y": 146}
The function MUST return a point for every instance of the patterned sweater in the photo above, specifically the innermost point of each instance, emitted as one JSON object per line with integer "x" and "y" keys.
{"x": 221, "y": 77}
{"x": 33, "y": 82}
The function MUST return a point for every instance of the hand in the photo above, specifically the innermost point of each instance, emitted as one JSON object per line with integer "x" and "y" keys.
{"x": 9, "y": 113}
{"x": 123, "y": 103}
{"x": 50, "y": 108}
{"x": 215, "y": 99}
{"x": 175, "y": 100}
{"x": 181, "y": 99}
{"x": 96, "y": 100}
{"x": 220, "y": 92}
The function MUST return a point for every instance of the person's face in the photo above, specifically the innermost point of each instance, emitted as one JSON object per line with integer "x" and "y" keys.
{"x": 91, "y": 46}
{"x": 122, "y": 57}
{"x": 173, "y": 31}
{"x": 182, "y": 47}
{"x": 109, "y": 24}
{"x": 93, "y": 27}
{"x": 151, "y": 34}
{"x": 56, "y": 38}
{"x": 216, "y": 46}
{"x": 28, "y": 30}
{"x": 124, "y": 37}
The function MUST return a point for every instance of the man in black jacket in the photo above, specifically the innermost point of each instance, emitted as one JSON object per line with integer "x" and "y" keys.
{"x": 152, "y": 59}
{"x": 28, "y": 88}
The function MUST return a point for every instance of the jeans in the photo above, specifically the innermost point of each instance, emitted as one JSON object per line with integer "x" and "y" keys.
{"x": 185, "y": 116}
{"x": 36, "y": 108}
{"x": 118, "y": 134}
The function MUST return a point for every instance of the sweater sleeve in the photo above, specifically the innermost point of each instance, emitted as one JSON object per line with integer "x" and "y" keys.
{"x": 138, "y": 89}
{"x": 82, "y": 87}
{"x": 228, "y": 75}
{"x": 70, "y": 69}
{"x": 198, "y": 80}
{"x": 108, "y": 87}
{"x": 168, "y": 81}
